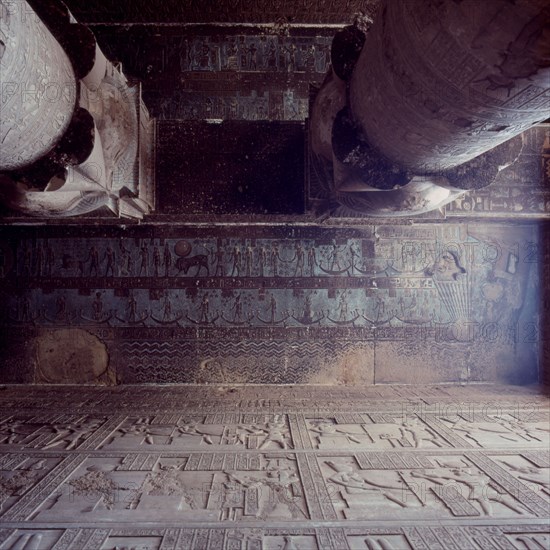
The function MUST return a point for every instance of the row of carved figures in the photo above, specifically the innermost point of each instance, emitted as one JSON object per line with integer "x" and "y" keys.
{"x": 237, "y": 260}
{"x": 238, "y": 310}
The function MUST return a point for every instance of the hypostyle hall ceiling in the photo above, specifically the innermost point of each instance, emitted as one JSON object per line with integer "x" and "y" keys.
{"x": 321, "y": 12}
{"x": 272, "y": 296}
{"x": 255, "y": 66}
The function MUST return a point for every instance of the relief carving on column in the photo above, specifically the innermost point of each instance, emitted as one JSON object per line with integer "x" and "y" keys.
{"x": 84, "y": 155}
{"x": 423, "y": 105}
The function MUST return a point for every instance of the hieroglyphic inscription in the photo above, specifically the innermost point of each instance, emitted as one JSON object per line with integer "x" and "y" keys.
{"x": 94, "y": 540}
{"x": 392, "y": 461}
{"x": 101, "y": 434}
{"x": 489, "y": 537}
{"x": 240, "y": 301}
{"x": 272, "y": 497}
{"x": 138, "y": 462}
{"x": 68, "y": 538}
{"x": 452, "y": 437}
{"x": 298, "y": 430}
{"x": 317, "y": 496}
{"x": 538, "y": 458}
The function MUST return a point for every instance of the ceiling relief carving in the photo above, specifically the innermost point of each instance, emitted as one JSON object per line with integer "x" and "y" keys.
{"x": 217, "y": 300}
{"x": 278, "y": 153}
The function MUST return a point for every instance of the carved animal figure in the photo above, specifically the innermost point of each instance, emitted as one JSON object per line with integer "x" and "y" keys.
{"x": 200, "y": 261}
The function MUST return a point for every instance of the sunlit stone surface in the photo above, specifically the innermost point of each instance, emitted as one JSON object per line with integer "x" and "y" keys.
{"x": 38, "y": 87}
{"x": 240, "y": 468}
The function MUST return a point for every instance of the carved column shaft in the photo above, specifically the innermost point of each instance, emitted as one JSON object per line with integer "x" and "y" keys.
{"x": 38, "y": 88}
{"x": 440, "y": 82}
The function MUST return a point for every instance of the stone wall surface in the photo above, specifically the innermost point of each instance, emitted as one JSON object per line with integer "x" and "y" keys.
{"x": 426, "y": 303}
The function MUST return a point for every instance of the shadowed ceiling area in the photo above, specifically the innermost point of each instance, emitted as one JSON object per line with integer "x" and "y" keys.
{"x": 240, "y": 11}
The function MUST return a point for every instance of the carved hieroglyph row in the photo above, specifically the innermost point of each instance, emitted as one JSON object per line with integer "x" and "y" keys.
{"x": 526, "y": 536}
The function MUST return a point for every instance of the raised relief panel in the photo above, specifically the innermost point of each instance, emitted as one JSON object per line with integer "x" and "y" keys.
{"x": 257, "y": 432}
{"x": 196, "y": 487}
{"x": 536, "y": 478}
{"x": 373, "y": 432}
{"x": 60, "y": 432}
{"x": 275, "y": 493}
{"x": 435, "y": 487}
{"x": 19, "y": 476}
{"x": 530, "y": 541}
{"x": 132, "y": 543}
{"x": 290, "y": 542}
{"x": 504, "y": 430}
{"x": 379, "y": 542}
{"x": 409, "y": 432}
{"x": 277, "y": 466}
{"x": 538, "y": 458}
{"x": 15, "y": 430}
{"x": 325, "y": 433}
{"x": 99, "y": 490}
{"x": 30, "y": 539}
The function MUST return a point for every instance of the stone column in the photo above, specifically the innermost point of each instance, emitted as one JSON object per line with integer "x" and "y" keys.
{"x": 424, "y": 104}
{"x": 38, "y": 87}
{"x": 439, "y": 82}
{"x": 75, "y": 135}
